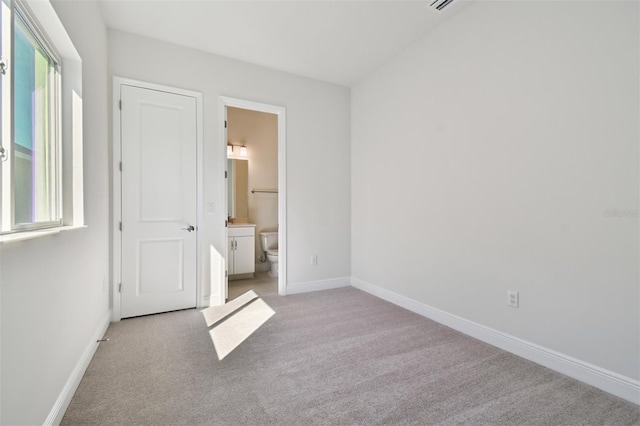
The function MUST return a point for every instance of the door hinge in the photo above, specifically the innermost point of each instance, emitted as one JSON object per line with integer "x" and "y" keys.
{"x": 225, "y": 174}
{"x": 225, "y": 223}
{"x": 226, "y": 273}
{"x": 120, "y": 288}
{"x": 120, "y": 226}
{"x": 225, "y": 124}
{"x": 120, "y": 166}
{"x": 120, "y": 104}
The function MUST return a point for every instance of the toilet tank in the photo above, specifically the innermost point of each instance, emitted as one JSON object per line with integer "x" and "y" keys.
{"x": 269, "y": 240}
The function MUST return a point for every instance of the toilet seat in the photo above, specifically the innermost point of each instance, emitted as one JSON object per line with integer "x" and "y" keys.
{"x": 273, "y": 252}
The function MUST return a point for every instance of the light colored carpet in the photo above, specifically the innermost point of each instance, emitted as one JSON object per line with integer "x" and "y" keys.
{"x": 338, "y": 357}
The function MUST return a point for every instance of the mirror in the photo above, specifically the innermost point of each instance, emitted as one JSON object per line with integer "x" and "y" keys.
{"x": 238, "y": 190}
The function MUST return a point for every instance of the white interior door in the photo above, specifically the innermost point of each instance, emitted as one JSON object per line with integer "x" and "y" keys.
{"x": 159, "y": 201}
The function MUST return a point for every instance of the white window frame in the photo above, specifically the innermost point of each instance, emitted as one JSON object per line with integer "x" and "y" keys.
{"x": 52, "y": 35}
{"x": 54, "y": 133}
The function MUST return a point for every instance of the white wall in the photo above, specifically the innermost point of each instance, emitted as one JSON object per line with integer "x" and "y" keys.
{"x": 485, "y": 157}
{"x": 258, "y": 131}
{"x": 318, "y": 161}
{"x": 54, "y": 289}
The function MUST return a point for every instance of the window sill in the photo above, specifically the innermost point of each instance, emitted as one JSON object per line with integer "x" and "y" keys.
{"x": 28, "y": 235}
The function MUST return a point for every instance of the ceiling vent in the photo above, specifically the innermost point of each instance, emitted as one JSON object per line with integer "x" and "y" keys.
{"x": 440, "y": 4}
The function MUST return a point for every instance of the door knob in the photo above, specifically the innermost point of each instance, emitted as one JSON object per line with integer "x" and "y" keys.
{"x": 189, "y": 228}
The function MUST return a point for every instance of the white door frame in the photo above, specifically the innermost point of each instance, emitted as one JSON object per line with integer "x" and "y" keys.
{"x": 280, "y": 112}
{"x": 117, "y": 182}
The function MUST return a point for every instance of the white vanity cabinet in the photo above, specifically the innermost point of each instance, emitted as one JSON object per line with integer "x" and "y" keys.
{"x": 241, "y": 257}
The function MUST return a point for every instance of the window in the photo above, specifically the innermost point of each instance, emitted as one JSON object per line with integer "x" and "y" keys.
{"x": 33, "y": 146}
{"x": 35, "y": 142}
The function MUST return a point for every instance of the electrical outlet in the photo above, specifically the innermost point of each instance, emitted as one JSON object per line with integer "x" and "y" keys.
{"x": 314, "y": 259}
{"x": 513, "y": 298}
{"x": 211, "y": 208}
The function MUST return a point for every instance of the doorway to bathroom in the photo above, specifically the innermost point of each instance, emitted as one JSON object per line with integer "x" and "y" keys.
{"x": 256, "y": 197}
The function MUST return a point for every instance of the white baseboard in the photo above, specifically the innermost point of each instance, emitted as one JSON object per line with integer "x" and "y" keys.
{"x": 60, "y": 407}
{"x": 318, "y": 285}
{"x": 213, "y": 300}
{"x": 608, "y": 381}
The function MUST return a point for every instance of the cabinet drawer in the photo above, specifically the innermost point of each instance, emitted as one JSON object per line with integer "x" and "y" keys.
{"x": 242, "y": 231}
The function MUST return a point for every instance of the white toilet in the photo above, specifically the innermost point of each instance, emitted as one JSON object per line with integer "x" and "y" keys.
{"x": 269, "y": 241}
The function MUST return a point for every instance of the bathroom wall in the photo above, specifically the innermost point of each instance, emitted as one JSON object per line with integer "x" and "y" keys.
{"x": 500, "y": 152}
{"x": 258, "y": 131}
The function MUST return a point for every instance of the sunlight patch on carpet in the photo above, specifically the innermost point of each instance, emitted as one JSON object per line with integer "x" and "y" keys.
{"x": 241, "y": 320}
{"x": 213, "y": 314}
